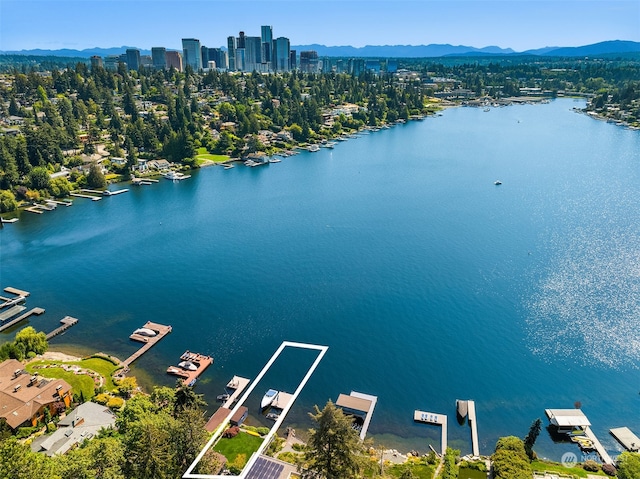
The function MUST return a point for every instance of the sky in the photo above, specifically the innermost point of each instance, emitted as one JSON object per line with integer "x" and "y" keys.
{"x": 516, "y": 24}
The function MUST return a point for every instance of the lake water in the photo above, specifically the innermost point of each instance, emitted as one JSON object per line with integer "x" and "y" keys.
{"x": 427, "y": 282}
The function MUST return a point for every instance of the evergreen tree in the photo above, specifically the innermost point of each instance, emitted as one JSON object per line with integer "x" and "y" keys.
{"x": 530, "y": 439}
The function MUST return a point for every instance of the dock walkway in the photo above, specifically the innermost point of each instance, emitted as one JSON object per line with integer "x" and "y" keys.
{"x": 602, "y": 452}
{"x": 436, "y": 420}
{"x": 67, "y": 322}
{"x": 15, "y": 321}
{"x": 475, "y": 449}
{"x": 161, "y": 331}
{"x": 367, "y": 420}
{"x": 237, "y": 385}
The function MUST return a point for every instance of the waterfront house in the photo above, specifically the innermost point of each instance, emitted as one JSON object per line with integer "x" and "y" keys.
{"x": 83, "y": 423}
{"x": 24, "y": 398}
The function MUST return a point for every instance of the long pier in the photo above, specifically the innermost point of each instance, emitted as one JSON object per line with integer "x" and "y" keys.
{"x": 602, "y": 452}
{"x": 161, "y": 332}
{"x": 67, "y": 322}
{"x": 89, "y": 197}
{"x": 13, "y": 322}
{"x": 474, "y": 427}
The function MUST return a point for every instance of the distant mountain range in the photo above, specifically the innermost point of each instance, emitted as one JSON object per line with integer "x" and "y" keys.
{"x": 391, "y": 51}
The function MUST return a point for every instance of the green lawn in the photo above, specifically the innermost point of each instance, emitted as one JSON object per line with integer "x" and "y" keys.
{"x": 560, "y": 469}
{"x": 466, "y": 473}
{"x": 243, "y": 443}
{"x": 78, "y": 382}
{"x": 420, "y": 471}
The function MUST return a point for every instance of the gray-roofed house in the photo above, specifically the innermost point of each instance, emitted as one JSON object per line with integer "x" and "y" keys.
{"x": 83, "y": 423}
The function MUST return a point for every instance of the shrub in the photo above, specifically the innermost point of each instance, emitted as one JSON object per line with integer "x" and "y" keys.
{"x": 25, "y": 432}
{"x": 231, "y": 432}
{"x": 115, "y": 402}
{"x": 297, "y": 447}
{"x": 609, "y": 469}
{"x": 591, "y": 466}
{"x": 263, "y": 431}
{"x": 51, "y": 427}
{"x": 102, "y": 398}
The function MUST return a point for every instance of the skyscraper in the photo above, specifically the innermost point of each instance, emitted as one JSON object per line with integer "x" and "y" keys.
{"x": 133, "y": 58}
{"x": 204, "y": 54}
{"x": 281, "y": 52}
{"x": 231, "y": 48}
{"x": 174, "y": 59}
{"x": 219, "y": 56}
{"x": 192, "y": 53}
{"x": 266, "y": 39}
{"x": 293, "y": 64}
{"x": 159, "y": 57}
{"x": 309, "y": 61}
{"x": 252, "y": 54}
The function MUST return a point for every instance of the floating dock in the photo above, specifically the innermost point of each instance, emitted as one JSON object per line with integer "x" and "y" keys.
{"x": 67, "y": 322}
{"x": 471, "y": 408}
{"x": 160, "y": 330}
{"x": 17, "y": 292}
{"x": 116, "y": 192}
{"x": 626, "y": 438}
{"x": 282, "y": 400}
{"x": 12, "y": 311}
{"x": 15, "y": 321}
{"x": 189, "y": 377}
{"x": 436, "y": 420}
{"x": 89, "y": 197}
{"x": 237, "y": 385}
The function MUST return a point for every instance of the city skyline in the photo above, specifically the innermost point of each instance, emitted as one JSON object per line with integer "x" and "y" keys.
{"x": 520, "y": 25}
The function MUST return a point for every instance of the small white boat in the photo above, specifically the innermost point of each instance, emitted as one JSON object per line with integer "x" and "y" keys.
{"x": 222, "y": 397}
{"x": 176, "y": 176}
{"x": 273, "y": 416}
{"x": 145, "y": 332}
{"x": 497, "y": 182}
{"x": 313, "y": 148}
{"x": 188, "y": 365}
{"x": 268, "y": 398}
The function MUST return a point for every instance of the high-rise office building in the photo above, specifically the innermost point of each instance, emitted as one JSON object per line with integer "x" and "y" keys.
{"x": 266, "y": 39}
{"x": 133, "y": 59}
{"x": 219, "y": 56}
{"x": 204, "y": 55}
{"x": 111, "y": 62}
{"x": 174, "y": 59}
{"x": 191, "y": 53}
{"x": 281, "y": 52}
{"x": 96, "y": 61}
{"x": 159, "y": 57}
{"x": 309, "y": 61}
{"x": 253, "y": 54}
{"x": 231, "y": 49}
{"x": 293, "y": 63}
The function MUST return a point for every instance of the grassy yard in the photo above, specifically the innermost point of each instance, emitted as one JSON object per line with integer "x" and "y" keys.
{"x": 560, "y": 469}
{"x": 203, "y": 155}
{"x": 420, "y": 471}
{"x": 243, "y": 443}
{"x": 466, "y": 473}
{"x": 78, "y": 382}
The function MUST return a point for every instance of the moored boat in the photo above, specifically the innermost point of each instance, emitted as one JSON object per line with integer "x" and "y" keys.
{"x": 268, "y": 398}
{"x": 188, "y": 365}
{"x": 462, "y": 408}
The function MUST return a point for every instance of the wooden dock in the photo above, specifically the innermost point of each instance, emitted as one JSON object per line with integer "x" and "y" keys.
{"x": 602, "y": 452}
{"x": 67, "y": 322}
{"x": 237, "y": 385}
{"x": 15, "y": 321}
{"x": 89, "y": 197}
{"x": 149, "y": 342}
{"x": 16, "y": 291}
{"x": 436, "y": 420}
{"x": 190, "y": 377}
{"x": 12, "y": 311}
{"x": 626, "y": 438}
{"x": 475, "y": 449}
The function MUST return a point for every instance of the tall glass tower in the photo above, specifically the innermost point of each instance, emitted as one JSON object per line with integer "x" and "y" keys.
{"x": 266, "y": 39}
{"x": 192, "y": 53}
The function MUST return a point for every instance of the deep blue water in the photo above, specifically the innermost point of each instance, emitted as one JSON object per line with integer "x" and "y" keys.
{"x": 427, "y": 282}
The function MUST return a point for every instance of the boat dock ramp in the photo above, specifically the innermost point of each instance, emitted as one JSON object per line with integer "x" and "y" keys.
{"x": 197, "y": 360}
{"x": 89, "y": 197}
{"x": 237, "y": 385}
{"x": 434, "y": 419}
{"x": 114, "y": 192}
{"x": 475, "y": 449}
{"x": 67, "y": 322}
{"x": 149, "y": 341}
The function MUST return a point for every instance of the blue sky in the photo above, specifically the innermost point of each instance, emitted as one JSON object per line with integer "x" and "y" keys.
{"x": 518, "y": 24}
